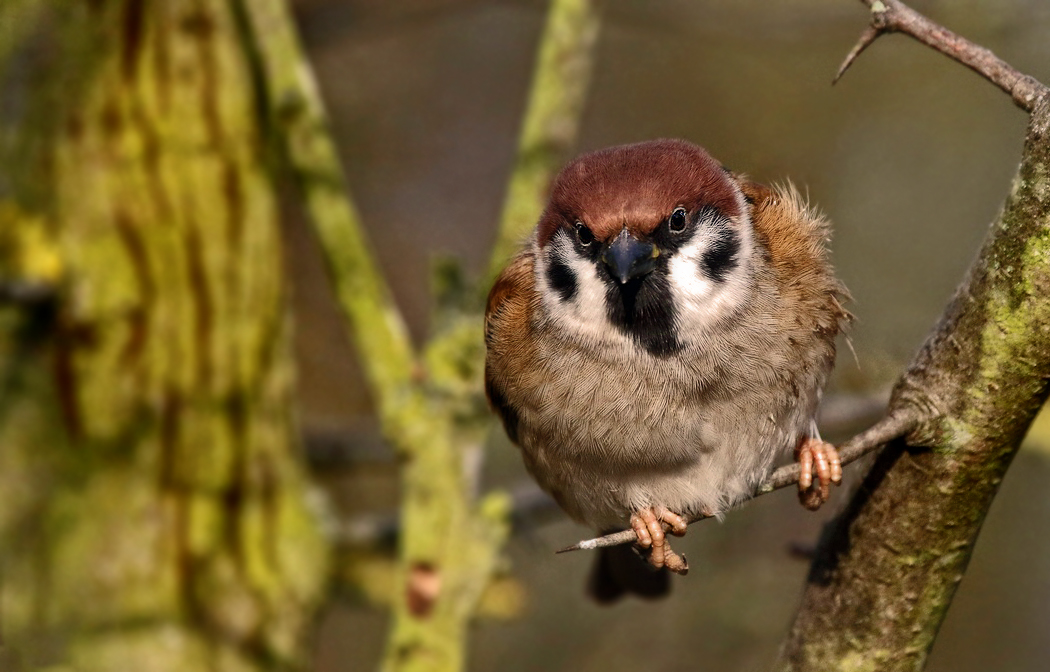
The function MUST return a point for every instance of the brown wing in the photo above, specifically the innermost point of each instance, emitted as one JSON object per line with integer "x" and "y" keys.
{"x": 796, "y": 236}
{"x": 509, "y": 346}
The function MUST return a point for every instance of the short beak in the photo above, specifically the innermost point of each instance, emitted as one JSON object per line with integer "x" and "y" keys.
{"x": 627, "y": 257}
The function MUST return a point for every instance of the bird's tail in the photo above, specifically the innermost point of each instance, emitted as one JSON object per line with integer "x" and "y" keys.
{"x": 620, "y": 571}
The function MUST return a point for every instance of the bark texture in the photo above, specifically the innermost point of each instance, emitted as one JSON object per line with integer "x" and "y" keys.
{"x": 154, "y": 513}
{"x": 889, "y": 566}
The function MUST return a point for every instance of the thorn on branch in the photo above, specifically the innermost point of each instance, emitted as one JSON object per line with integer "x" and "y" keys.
{"x": 893, "y": 16}
{"x": 870, "y": 34}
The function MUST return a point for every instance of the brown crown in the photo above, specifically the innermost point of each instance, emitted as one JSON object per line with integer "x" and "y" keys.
{"x": 637, "y": 186}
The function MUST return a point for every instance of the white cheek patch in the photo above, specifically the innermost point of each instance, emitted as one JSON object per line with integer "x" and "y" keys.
{"x": 583, "y": 315}
{"x": 701, "y": 301}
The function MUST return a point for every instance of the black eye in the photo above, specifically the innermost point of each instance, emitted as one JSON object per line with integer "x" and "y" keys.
{"x": 676, "y": 222}
{"x": 583, "y": 234}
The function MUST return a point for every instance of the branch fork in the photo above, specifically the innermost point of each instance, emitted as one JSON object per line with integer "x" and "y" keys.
{"x": 893, "y": 16}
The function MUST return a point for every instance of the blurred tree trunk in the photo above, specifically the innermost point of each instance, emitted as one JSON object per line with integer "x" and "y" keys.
{"x": 153, "y": 515}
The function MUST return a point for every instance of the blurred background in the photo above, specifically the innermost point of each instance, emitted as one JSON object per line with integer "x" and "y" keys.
{"x": 910, "y": 156}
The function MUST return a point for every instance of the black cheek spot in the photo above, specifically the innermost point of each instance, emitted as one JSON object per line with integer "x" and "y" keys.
{"x": 721, "y": 257}
{"x": 507, "y": 414}
{"x": 562, "y": 278}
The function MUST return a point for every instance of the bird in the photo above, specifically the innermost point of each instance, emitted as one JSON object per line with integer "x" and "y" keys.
{"x": 660, "y": 343}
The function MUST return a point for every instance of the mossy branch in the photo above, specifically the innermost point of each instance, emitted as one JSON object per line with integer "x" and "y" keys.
{"x": 449, "y": 544}
{"x": 309, "y": 152}
{"x": 154, "y": 512}
{"x": 888, "y": 567}
{"x": 552, "y": 120}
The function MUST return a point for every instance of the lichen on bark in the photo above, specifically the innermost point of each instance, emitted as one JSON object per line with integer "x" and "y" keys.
{"x": 167, "y": 527}
{"x": 889, "y": 566}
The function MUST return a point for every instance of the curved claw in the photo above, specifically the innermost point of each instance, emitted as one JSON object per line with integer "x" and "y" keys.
{"x": 815, "y": 455}
{"x": 648, "y": 525}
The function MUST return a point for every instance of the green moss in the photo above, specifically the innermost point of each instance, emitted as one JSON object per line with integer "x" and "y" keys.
{"x": 1015, "y": 325}
{"x": 551, "y": 123}
{"x": 174, "y": 514}
{"x": 426, "y": 407}
{"x": 980, "y": 380}
{"x": 28, "y": 250}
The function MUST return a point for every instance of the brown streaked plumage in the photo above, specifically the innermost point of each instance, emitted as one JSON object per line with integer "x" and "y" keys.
{"x": 663, "y": 338}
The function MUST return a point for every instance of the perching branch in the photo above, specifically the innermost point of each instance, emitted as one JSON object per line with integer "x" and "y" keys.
{"x": 890, "y": 427}
{"x": 893, "y": 16}
{"x": 887, "y": 568}
{"x": 895, "y": 425}
{"x": 529, "y": 505}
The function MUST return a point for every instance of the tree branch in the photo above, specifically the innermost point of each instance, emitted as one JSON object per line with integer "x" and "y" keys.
{"x": 893, "y": 16}
{"x": 305, "y": 141}
{"x": 887, "y": 568}
{"x": 451, "y": 544}
{"x": 552, "y": 120}
{"x": 895, "y": 425}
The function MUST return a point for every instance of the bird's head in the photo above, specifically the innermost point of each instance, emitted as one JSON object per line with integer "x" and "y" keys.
{"x": 650, "y": 242}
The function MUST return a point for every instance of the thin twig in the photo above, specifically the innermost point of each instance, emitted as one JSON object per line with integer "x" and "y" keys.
{"x": 327, "y": 450}
{"x": 867, "y": 38}
{"x": 897, "y": 424}
{"x": 893, "y": 16}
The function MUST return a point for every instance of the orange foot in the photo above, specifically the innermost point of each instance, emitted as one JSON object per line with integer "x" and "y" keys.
{"x": 649, "y": 525}
{"x": 812, "y": 455}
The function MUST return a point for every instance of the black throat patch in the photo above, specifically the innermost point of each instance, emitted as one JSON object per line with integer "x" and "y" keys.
{"x": 642, "y": 309}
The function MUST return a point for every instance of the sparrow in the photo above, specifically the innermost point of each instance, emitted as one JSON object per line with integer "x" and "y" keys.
{"x": 659, "y": 343}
